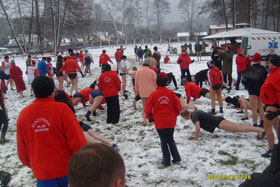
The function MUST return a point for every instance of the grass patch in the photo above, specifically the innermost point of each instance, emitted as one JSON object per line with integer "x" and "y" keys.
{"x": 231, "y": 161}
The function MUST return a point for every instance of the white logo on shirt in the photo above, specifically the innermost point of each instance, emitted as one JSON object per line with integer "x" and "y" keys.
{"x": 107, "y": 79}
{"x": 41, "y": 125}
{"x": 163, "y": 100}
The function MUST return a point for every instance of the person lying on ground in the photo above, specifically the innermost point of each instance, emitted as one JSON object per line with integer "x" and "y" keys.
{"x": 210, "y": 122}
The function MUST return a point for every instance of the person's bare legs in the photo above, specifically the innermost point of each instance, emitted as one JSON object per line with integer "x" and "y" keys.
{"x": 99, "y": 138}
{"x": 76, "y": 100}
{"x": 232, "y": 127}
{"x": 95, "y": 102}
{"x": 66, "y": 79}
{"x": 123, "y": 83}
{"x": 253, "y": 100}
{"x": 268, "y": 127}
{"x": 144, "y": 100}
{"x": 74, "y": 85}
{"x": 60, "y": 82}
{"x": 260, "y": 108}
{"x": 213, "y": 98}
{"x": 219, "y": 98}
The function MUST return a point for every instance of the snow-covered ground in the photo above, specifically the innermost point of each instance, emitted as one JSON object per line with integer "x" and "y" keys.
{"x": 221, "y": 153}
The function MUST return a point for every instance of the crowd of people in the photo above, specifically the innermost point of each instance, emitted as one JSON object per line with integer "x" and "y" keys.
{"x": 56, "y": 136}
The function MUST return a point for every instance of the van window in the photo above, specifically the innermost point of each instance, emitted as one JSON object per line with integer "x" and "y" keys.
{"x": 244, "y": 45}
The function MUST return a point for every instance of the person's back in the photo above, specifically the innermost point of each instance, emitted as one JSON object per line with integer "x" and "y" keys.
{"x": 48, "y": 133}
{"x": 42, "y": 67}
{"x": 109, "y": 83}
{"x": 145, "y": 81}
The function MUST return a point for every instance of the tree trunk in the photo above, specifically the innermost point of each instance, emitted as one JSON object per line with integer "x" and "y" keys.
{"x": 11, "y": 26}
{"x": 225, "y": 15}
{"x": 233, "y": 13}
{"x": 30, "y": 26}
{"x": 44, "y": 17}
{"x": 278, "y": 17}
{"x": 22, "y": 27}
{"x": 53, "y": 23}
{"x": 38, "y": 25}
{"x": 249, "y": 12}
{"x": 61, "y": 25}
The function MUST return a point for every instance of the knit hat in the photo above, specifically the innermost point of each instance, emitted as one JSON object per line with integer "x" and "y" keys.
{"x": 257, "y": 57}
{"x": 275, "y": 60}
{"x": 239, "y": 50}
{"x": 147, "y": 62}
{"x": 162, "y": 79}
{"x": 43, "y": 86}
{"x": 210, "y": 64}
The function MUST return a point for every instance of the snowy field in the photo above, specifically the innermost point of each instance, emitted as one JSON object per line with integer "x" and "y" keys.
{"x": 221, "y": 153}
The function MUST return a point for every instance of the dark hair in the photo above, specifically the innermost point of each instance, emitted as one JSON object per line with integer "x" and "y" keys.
{"x": 184, "y": 80}
{"x": 228, "y": 99}
{"x": 70, "y": 50}
{"x": 60, "y": 96}
{"x": 106, "y": 67}
{"x": 72, "y": 54}
{"x": 185, "y": 113}
{"x": 44, "y": 58}
{"x": 95, "y": 165}
{"x": 104, "y": 51}
{"x": 155, "y": 48}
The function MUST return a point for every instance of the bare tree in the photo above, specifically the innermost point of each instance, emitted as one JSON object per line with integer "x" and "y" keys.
{"x": 225, "y": 14}
{"x": 148, "y": 16}
{"x": 11, "y": 25}
{"x": 188, "y": 9}
{"x": 162, "y": 7}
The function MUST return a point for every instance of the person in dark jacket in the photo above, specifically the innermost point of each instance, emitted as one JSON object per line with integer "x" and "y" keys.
{"x": 200, "y": 77}
{"x": 140, "y": 53}
{"x": 270, "y": 175}
{"x": 3, "y": 77}
{"x": 3, "y": 117}
{"x": 226, "y": 56}
{"x": 216, "y": 57}
{"x": 253, "y": 80}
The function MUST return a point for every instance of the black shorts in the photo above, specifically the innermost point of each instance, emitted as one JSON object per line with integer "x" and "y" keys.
{"x": 121, "y": 74}
{"x": 133, "y": 82}
{"x": 96, "y": 93}
{"x": 72, "y": 75}
{"x": 203, "y": 92}
{"x": 59, "y": 74}
{"x": 254, "y": 92}
{"x": 217, "y": 87}
{"x": 219, "y": 120}
{"x": 87, "y": 64}
{"x": 178, "y": 95}
{"x": 86, "y": 127}
{"x": 275, "y": 106}
{"x": 78, "y": 95}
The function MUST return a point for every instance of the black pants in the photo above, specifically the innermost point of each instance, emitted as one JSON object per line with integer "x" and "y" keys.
{"x": 171, "y": 77}
{"x": 228, "y": 77}
{"x": 167, "y": 143}
{"x": 113, "y": 109}
{"x": 183, "y": 74}
{"x": 3, "y": 124}
{"x": 239, "y": 77}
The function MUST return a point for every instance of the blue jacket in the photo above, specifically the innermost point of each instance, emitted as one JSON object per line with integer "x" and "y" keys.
{"x": 4, "y": 76}
{"x": 43, "y": 68}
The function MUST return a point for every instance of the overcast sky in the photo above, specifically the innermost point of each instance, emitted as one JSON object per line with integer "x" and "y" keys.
{"x": 174, "y": 15}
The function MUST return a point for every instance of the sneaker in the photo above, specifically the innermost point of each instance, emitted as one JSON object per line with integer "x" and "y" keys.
{"x": 221, "y": 110}
{"x": 5, "y": 178}
{"x": 268, "y": 154}
{"x": 3, "y": 140}
{"x": 255, "y": 125}
{"x": 245, "y": 118}
{"x": 261, "y": 124}
{"x": 94, "y": 113}
{"x": 240, "y": 112}
{"x": 176, "y": 88}
{"x": 125, "y": 96}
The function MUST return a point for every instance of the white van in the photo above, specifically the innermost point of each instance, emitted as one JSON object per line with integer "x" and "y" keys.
{"x": 260, "y": 43}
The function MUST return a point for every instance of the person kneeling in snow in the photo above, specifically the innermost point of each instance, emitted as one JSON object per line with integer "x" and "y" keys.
{"x": 163, "y": 107}
{"x": 209, "y": 122}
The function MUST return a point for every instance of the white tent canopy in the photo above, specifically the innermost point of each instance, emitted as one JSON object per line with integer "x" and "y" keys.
{"x": 239, "y": 33}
